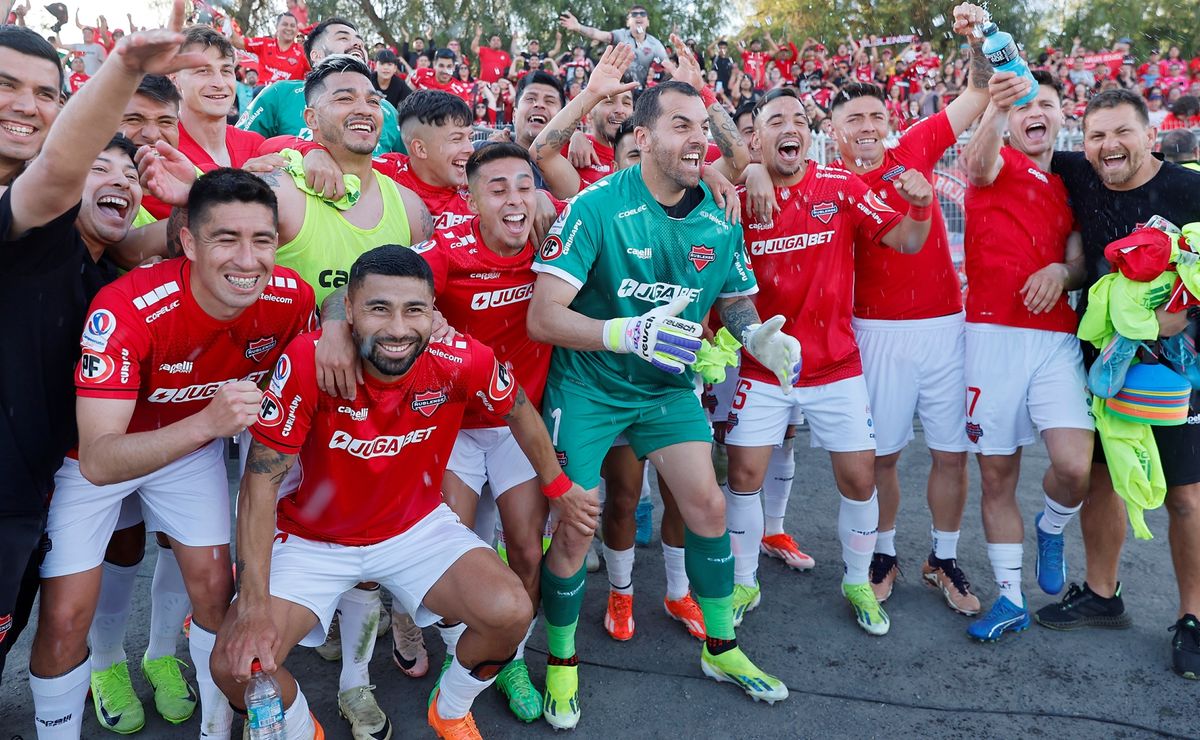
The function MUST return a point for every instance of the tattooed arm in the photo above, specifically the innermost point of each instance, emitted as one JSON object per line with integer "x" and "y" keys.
{"x": 605, "y": 81}
{"x": 265, "y": 471}
{"x": 970, "y": 104}
{"x": 736, "y": 314}
{"x": 420, "y": 222}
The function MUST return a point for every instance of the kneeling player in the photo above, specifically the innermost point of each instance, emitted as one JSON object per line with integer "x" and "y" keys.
{"x": 804, "y": 263}
{"x": 346, "y": 522}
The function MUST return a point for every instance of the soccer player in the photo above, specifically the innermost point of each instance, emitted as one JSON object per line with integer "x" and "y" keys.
{"x": 908, "y": 317}
{"x": 279, "y": 109}
{"x": 803, "y": 261}
{"x": 483, "y": 281}
{"x": 1024, "y": 368}
{"x": 632, "y": 253}
{"x": 399, "y": 430}
{"x": 207, "y": 93}
{"x": 436, "y": 128}
{"x": 280, "y": 57}
{"x": 153, "y": 413}
{"x": 1115, "y": 184}
{"x": 441, "y": 76}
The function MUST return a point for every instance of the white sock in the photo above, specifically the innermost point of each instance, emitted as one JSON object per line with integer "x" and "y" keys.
{"x": 857, "y": 524}
{"x": 58, "y": 702}
{"x": 106, "y": 636}
{"x": 777, "y": 487}
{"x": 945, "y": 544}
{"x": 744, "y": 520}
{"x": 450, "y": 634}
{"x": 1055, "y": 516}
{"x": 620, "y": 569}
{"x": 1006, "y": 567}
{"x": 885, "y": 542}
{"x": 677, "y": 580}
{"x": 521, "y": 647}
{"x": 457, "y": 691}
{"x": 297, "y": 719}
{"x": 358, "y": 620}
{"x": 169, "y": 605}
{"x": 216, "y": 717}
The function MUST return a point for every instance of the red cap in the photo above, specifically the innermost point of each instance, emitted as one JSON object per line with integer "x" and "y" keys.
{"x": 1141, "y": 256}
{"x": 255, "y": 666}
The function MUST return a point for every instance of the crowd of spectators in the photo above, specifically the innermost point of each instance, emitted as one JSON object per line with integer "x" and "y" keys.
{"x": 485, "y": 71}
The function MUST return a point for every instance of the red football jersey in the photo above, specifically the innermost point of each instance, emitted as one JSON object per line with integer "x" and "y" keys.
{"x": 372, "y": 467}
{"x": 592, "y": 173}
{"x": 76, "y": 80}
{"x": 493, "y": 63}
{"x": 241, "y": 145}
{"x": 1015, "y": 227}
{"x": 448, "y": 206}
{"x": 754, "y": 66}
{"x": 804, "y": 262}
{"x": 890, "y": 285}
{"x": 146, "y": 338}
{"x": 426, "y": 79}
{"x": 486, "y": 295}
{"x": 275, "y": 64}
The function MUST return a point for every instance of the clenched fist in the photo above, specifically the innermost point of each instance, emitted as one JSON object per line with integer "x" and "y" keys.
{"x": 234, "y": 408}
{"x": 914, "y": 188}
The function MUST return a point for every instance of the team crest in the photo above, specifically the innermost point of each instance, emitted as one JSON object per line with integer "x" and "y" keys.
{"x": 5, "y": 624}
{"x": 552, "y": 248}
{"x": 701, "y": 256}
{"x": 426, "y": 402}
{"x": 974, "y": 432}
{"x": 824, "y": 212}
{"x": 256, "y": 348}
{"x": 893, "y": 173}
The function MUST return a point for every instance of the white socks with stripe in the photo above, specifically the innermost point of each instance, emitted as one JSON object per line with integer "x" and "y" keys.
{"x": 744, "y": 520}
{"x": 857, "y": 529}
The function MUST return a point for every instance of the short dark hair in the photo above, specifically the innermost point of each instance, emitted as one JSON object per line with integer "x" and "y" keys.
{"x": 745, "y": 109}
{"x": 228, "y": 185}
{"x": 648, "y": 107}
{"x": 386, "y": 56}
{"x": 1179, "y": 145}
{"x": 126, "y": 147}
{"x": 1046, "y": 79}
{"x": 25, "y": 41}
{"x": 625, "y": 129}
{"x": 207, "y": 37}
{"x": 1186, "y": 106}
{"x": 310, "y": 41}
{"x": 160, "y": 88}
{"x": 314, "y": 81}
{"x": 776, "y": 94}
{"x": 540, "y": 77}
{"x": 857, "y": 90}
{"x": 1114, "y": 99}
{"x": 445, "y": 54}
{"x": 391, "y": 260}
{"x": 636, "y": 7}
{"x": 434, "y": 108}
{"x": 289, "y": 14}
{"x": 493, "y": 151}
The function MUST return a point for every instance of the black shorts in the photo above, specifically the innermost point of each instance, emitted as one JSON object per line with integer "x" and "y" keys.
{"x": 22, "y": 546}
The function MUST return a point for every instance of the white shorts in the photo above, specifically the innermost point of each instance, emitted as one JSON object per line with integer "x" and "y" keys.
{"x": 915, "y": 367}
{"x": 722, "y": 394}
{"x": 489, "y": 456}
{"x": 131, "y": 512}
{"x": 315, "y": 574}
{"x": 188, "y": 500}
{"x": 838, "y": 414}
{"x": 1019, "y": 380}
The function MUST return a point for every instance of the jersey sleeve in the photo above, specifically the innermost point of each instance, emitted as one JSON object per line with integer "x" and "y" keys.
{"x": 571, "y": 246}
{"x": 115, "y": 345}
{"x": 492, "y": 385}
{"x": 288, "y": 405}
{"x": 260, "y": 114}
{"x": 255, "y": 45}
{"x": 926, "y": 141}
{"x": 438, "y": 257}
{"x": 871, "y": 215}
{"x": 740, "y": 281}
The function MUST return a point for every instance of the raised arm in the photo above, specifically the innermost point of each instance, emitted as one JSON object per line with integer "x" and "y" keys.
{"x": 735, "y": 153}
{"x": 475, "y": 39}
{"x": 54, "y": 181}
{"x": 982, "y": 153}
{"x": 569, "y": 22}
{"x": 968, "y": 106}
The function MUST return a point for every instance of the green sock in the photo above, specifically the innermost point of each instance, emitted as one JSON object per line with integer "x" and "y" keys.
{"x": 562, "y": 598}
{"x": 709, "y": 565}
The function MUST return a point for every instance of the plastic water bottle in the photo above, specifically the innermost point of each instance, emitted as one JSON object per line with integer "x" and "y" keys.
{"x": 1001, "y": 52}
{"x": 264, "y": 706}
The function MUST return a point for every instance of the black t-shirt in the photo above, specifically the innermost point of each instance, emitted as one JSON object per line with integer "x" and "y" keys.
{"x": 50, "y": 282}
{"x": 1105, "y": 215}
{"x": 397, "y": 90}
{"x": 724, "y": 68}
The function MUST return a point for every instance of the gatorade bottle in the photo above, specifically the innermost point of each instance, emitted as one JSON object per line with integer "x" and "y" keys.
{"x": 1001, "y": 51}
{"x": 264, "y": 706}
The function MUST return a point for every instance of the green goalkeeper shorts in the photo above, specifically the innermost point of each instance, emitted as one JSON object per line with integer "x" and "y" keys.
{"x": 583, "y": 429}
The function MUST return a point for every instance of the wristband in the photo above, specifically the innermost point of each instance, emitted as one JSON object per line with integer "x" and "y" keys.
{"x": 920, "y": 213}
{"x": 557, "y": 487}
{"x": 707, "y": 96}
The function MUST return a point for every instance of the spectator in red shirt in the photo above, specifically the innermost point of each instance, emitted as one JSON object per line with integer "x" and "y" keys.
{"x": 280, "y": 57}
{"x": 494, "y": 61}
{"x": 299, "y": 10}
{"x": 442, "y": 76}
{"x": 78, "y": 77}
{"x": 754, "y": 63}
{"x": 1185, "y": 113}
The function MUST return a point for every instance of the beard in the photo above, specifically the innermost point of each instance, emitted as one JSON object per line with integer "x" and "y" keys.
{"x": 369, "y": 351}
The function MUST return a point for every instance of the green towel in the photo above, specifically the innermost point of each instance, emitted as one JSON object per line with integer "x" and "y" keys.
{"x": 713, "y": 357}
{"x": 295, "y": 168}
{"x": 1133, "y": 464}
{"x": 1118, "y": 305}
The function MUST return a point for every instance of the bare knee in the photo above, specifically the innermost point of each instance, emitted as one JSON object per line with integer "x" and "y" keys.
{"x": 949, "y": 462}
{"x": 210, "y": 591}
{"x": 1183, "y": 501}
{"x": 508, "y": 614}
{"x": 1074, "y": 475}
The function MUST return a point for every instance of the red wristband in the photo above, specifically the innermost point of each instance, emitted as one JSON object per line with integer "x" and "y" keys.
{"x": 920, "y": 213}
{"x": 708, "y": 97}
{"x": 557, "y": 487}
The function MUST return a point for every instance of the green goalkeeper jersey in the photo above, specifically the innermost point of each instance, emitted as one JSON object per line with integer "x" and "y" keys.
{"x": 618, "y": 246}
